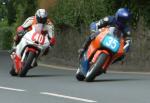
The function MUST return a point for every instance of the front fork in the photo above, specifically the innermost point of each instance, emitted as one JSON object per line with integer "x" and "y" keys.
{"x": 108, "y": 59}
{"x": 25, "y": 53}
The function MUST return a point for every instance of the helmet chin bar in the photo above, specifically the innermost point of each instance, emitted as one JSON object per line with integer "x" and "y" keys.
{"x": 41, "y": 20}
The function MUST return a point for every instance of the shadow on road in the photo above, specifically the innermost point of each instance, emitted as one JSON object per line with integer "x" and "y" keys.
{"x": 46, "y": 75}
{"x": 117, "y": 80}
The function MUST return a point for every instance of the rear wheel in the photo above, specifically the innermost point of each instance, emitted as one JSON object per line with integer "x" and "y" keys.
{"x": 96, "y": 69}
{"x": 79, "y": 75}
{"x": 27, "y": 64}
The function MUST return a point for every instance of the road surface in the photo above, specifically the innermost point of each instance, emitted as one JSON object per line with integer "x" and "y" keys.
{"x": 58, "y": 85}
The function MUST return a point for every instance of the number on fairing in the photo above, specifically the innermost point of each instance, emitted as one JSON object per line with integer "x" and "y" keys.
{"x": 112, "y": 43}
{"x": 39, "y": 38}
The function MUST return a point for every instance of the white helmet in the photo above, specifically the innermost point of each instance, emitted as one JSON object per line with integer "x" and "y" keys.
{"x": 41, "y": 16}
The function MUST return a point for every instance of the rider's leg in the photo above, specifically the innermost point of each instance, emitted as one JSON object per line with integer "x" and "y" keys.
{"x": 87, "y": 43}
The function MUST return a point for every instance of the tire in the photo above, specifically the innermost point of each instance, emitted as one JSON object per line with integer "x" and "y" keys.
{"x": 79, "y": 75}
{"x": 96, "y": 69}
{"x": 12, "y": 71}
{"x": 27, "y": 64}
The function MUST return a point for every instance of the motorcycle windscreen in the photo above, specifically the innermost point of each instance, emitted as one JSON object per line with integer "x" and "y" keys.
{"x": 38, "y": 27}
{"x": 111, "y": 43}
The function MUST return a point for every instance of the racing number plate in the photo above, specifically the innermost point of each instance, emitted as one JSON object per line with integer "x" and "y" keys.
{"x": 38, "y": 38}
{"x": 111, "y": 43}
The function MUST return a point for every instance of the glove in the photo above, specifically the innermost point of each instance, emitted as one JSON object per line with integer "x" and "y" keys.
{"x": 52, "y": 41}
{"x": 127, "y": 46}
{"x": 20, "y": 28}
{"x": 21, "y": 31}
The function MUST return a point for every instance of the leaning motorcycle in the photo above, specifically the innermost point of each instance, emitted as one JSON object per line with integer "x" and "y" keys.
{"x": 102, "y": 52}
{"x": 31, "y": 47}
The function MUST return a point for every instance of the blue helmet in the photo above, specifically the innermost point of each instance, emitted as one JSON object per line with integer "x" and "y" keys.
{"x": 122, "y": 15}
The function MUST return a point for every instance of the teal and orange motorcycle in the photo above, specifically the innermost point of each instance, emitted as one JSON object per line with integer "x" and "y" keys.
{"x": 102, "y": 52}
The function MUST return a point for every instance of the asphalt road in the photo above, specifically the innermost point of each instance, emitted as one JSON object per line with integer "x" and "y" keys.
{"x": 58, "y": 85}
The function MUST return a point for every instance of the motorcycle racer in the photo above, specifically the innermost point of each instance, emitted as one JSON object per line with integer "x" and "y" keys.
{"x": 41, "y": 16}
{"x": 119, "y": 20}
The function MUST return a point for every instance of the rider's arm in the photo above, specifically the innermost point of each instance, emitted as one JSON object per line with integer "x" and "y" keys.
{"x": 94, "y": 26}
{"x": 27, "y": 23}
{"x": 128, "y": 39}
{"x": 51, "y": 35}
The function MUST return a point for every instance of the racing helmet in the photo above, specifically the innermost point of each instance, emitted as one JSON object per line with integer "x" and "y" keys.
{"x": 41, "y": 16}
{"x": 122, "y": 15}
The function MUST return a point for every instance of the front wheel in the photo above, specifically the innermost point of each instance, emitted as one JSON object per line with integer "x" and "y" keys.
{"x": 96, "y": 69}
{"x": 27, "y": 64}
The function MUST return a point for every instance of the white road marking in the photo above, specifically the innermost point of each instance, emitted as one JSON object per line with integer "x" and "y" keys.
{"x": 68, "y": 97}
{"x": 74, "y": 69}
{"x": 12, "y": 89}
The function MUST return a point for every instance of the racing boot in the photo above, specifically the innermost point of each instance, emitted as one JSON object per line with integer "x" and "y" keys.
{"x": 119, "y": 59}
{"x": 84, "y": 46}
{"x": 81, "y": 52}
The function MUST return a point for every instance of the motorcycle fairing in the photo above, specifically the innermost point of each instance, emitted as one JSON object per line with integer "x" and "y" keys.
{"x": 110, "y": 42}
{"x": 95, "y": 44}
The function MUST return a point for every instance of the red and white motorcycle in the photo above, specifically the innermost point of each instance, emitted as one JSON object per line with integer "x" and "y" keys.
{"x": 32, "y": 45}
